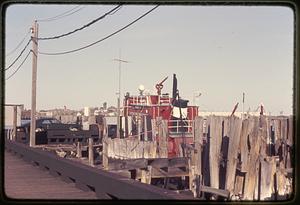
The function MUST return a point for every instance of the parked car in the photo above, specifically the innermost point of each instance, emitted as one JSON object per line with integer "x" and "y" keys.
{"x": 42, "y": 125}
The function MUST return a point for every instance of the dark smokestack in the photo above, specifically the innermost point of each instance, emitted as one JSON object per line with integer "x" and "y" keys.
{"x": 174, "y": 93}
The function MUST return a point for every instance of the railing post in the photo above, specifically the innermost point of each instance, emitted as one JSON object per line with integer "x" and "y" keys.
{"x": 79, "y": 154}
{"x": 105, "y": 146}
{"x": 91, "y": 151}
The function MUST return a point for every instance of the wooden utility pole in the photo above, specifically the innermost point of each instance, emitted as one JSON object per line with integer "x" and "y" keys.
{"x": 14, "y": 137}
{"x": 34, "y": 37}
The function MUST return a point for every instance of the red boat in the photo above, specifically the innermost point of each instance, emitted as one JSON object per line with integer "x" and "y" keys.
{"x": 141, "y": 109}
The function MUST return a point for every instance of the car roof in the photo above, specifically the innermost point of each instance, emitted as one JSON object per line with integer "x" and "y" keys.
{"x": 39, "y": 120}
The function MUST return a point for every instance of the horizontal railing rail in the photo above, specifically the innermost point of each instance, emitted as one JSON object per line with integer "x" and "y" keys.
{"x": 100, "y": 181}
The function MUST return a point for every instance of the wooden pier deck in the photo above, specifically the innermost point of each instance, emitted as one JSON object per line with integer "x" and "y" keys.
{"x": 23, "y": 180}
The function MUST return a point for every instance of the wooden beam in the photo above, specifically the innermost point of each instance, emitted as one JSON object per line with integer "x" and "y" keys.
{"x": 162, "y": 133}
{"x": 268, "y": 169}
{"x": 219, "y": 192}
{"x": 214, "y": 149}
{"x": 160, "y": 173}
{"x": 79, "y": 150}
{"x": 146, "y": 175}
{"x": 91, "y": 152}
{"x": 234, "y": 141}
{"x": 252, "y": 172}
{"x": 168, "y": 162}
{"x": 105, "y": 146}
{"x": 198, "y": 135}
{"x": 116, "y": 164}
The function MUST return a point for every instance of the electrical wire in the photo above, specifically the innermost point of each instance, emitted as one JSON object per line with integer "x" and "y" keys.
{"x": 18, "y": 56}
{"x": 11, "y": 52}
{"x": 62, "y": 15}
{"x": 83, "y": 27}
{"x": 18, "y": 66}
{"x": 112, "y": 34}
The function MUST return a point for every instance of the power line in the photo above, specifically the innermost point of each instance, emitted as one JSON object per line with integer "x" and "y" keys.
{"x": 18, "y": 56}
{"x": 87, "y": 25}
{"x": 89, "y": 45}
{"x": 62, "y": 15}
{"x": 11, "y": 52}
{"x": 19, "y": 66}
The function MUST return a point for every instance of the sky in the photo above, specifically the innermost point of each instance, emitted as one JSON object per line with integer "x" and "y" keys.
{"x": 218, "y": 51}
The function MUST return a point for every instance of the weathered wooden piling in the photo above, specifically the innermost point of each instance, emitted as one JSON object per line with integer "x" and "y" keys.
{"x": 91, "y": 152}
{"x": 146, "y": 175}
{"x": 105, "y": 147}
{"x": 215, "y": 148}
{"x": 79, "y": 150}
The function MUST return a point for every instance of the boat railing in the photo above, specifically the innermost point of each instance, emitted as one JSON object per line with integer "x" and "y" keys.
{"x": 178, "y": 126}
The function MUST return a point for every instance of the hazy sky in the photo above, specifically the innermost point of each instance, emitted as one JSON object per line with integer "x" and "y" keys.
{"x": 216, "y": 50}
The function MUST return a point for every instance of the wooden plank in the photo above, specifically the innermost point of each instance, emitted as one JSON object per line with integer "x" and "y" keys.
{"x": 247, "y": 126}
{"x": 134, "y": 148}
{"x": 278, "y": 139}
{"x": 127, "y": 164}
{"x": 117, "y": 147}
{"x": 238, "y": 188}
{"x": 124, "y": 148}
{"x": 146, "y": 175}
{"x": 198, "y": 135}
{"x": 130, "y": 144}
{"x": 145, "y": 128}
{"x": 192, "y": 180}
{"x": 268, "y": 169}
{"x": 159, "y": 162}
{"x": 290, "y": 136}
{"x": 265, "y": 136}
{"x": 214, "y": 149}
{"x": 125, "y": 173}
{"x": 281, "y": 180}
{"x": 152, "y": 152}
{"x": 126, "y": 127}
{"x": 154, "y": 129}
{"x": 163, "y": 143}
{"x": 178, "y": 162}
{"x": 211, "y": 190}
{"x": 234, "y": 141}
{"x": 79, "y": 150}
{"x": 140, "y": 149}
{"x": 105, "y": 147}
{"x": 284, "y": 132}
{"x": 252, "y": 172}
{"x": 91, "y": 152}
{"x": 168, "y": 162}
{"x": 160, "y": 173}
{"x": 146, "y": 150}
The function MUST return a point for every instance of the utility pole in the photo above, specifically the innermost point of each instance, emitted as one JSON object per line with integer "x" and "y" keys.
{"x": 119, "y": 93}
{"x": 15, "y": 123}
{"x": 243, "y": 106}
{"x": 34, "y": 37}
